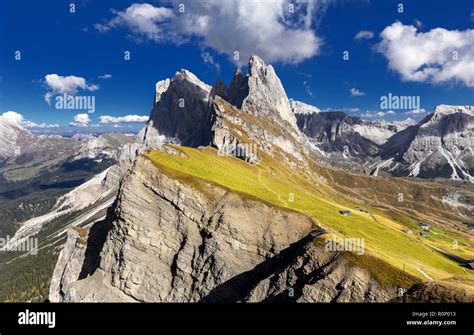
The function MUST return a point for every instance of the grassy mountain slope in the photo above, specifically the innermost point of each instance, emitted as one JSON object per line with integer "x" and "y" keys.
{"x": 307, "y": 192}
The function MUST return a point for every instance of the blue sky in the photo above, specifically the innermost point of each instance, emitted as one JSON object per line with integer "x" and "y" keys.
{"x": 306, "y": 48}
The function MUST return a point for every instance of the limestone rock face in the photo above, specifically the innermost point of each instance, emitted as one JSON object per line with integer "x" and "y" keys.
{"x": 266, "y": 94}
{"x": 300, "y": 108}
{"x": 180, "y": 113}
{"x": 188, "y": 112}
{"x": 227, "y": 140}
{"x": 219, "y": 89}
{"x": 165, "y": 241}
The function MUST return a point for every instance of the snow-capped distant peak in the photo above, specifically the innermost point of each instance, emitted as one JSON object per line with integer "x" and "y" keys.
{"x": 404, "y": 124}
{"x": 301, "y": 108}
{"x": 448, "y": 109}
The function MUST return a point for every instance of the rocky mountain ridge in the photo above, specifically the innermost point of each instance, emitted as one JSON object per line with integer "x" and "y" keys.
{"x": 439, "y": 146}
{"x": 171, "y": 238}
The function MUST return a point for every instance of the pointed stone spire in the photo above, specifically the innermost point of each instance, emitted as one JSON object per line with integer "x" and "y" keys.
{"x": 266, "y": 94}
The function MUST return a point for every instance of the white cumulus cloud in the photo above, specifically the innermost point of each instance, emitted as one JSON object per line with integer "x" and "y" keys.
{"x": 12, "y": 117}
{"x": 123, "y": 119}
{"x": 80, "y": 120}
{"x": 105, "y": 76}
{"x": 277, "y": 30}
{"x": 18, "y": 119}
{"x": 436, "y": 56}
{"x": 66, "y": 85}
{"x": 141, "y": 19}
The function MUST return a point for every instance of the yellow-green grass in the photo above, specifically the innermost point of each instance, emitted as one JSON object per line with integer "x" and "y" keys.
{"x": 275, "y": 184}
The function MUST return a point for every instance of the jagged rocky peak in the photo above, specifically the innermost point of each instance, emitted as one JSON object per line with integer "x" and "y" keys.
{"x": 261, "y": 93}
{"x": 458, "y": 116}
{"x": 337, "y": 132}
{"x": 185, "y": 75}
{"x": 179, "y": 77}
{"x": 181, "y": 112}
{"x": 266, "y": 93}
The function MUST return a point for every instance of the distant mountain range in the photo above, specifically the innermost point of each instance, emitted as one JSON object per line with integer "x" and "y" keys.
{"x": 440, "y": 146}
{"x": 37, "y": 169}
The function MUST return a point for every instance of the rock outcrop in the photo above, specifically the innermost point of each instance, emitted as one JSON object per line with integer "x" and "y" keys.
{"x": 301, "y": 108}
{"x": 165, "y": 241}
{"x": 188, "y": 112}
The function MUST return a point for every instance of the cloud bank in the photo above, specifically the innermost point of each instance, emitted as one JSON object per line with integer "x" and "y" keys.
{"x": 277, "y": 30}
{"x": 105, "y": 119}
{"x": 437, "y": 56}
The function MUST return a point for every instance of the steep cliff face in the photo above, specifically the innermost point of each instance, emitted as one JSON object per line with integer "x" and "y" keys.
{"x": 246, "y": 135}
{"x": 267, "y": 97}
{"x": 254, "y": 109}
{"x": 169, "y": 240}
{"x": 181, "y": 111}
